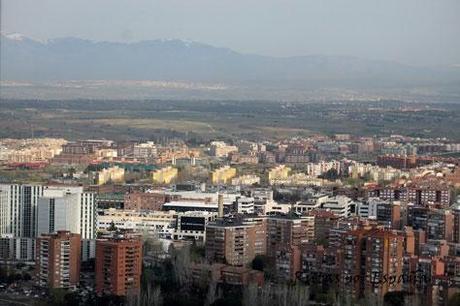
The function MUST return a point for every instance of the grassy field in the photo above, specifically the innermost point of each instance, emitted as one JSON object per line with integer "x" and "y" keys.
{"x": 204, "y": 120}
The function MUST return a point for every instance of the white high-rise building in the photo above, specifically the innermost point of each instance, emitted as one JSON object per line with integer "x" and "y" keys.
{"x": 76, "y": 207}
{"x": 19, "y": 212}
{"x": 58, "y": 213}
{"x": 5, "y": 226}
{"x": 14, "y": 248}
{"x": 18, "y": 220}
{"x": 71, "y": 209}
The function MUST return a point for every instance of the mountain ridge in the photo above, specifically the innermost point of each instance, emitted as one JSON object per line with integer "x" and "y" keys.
{"x": 71, "y": 58}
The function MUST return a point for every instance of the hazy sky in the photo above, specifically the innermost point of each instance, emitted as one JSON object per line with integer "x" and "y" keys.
{"x": 421, "y": 32}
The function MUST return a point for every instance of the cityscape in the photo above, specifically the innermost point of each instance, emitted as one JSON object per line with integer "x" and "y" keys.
{"x": 229, "y": 153}
{"x": 325, "y": 219}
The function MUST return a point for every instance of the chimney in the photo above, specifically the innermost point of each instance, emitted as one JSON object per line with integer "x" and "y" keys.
{"x": 220, "y": 205}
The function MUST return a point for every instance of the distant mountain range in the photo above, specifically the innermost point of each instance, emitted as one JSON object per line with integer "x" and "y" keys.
{"x": 25, "y": 59}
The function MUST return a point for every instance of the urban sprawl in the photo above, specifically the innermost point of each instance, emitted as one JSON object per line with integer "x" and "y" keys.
{"x": 340, "y": 219}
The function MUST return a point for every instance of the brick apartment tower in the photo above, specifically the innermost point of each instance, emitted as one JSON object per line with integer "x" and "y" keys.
{"x": 440, "y": 225}
{"x": 456, "y": 229}
{"x": 58, "y": 260}
{"x": 384, "y": 256}
{"x": 118, "y": 266}
{"x": 282, "y": 230}
{"x": 367, "y": 256}
{"x": 230, "y": 243}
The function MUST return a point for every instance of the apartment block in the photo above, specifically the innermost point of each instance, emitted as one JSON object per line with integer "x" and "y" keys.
{"x": 368, "y": 255}
{"x": 287, "y": 263}
{"x": 221, "y": 149}
{"x": 80, "y": 152}
{"x": 323, "y": 222}
{"x": 429, "y": 191}
{"x": 417, "y": 217}
{"x": 58, "y": 260}
{"x": 146, "y": 150}
{"x": 231, "y": 242}
{"x": 456, "y": 227}
{"x": 165, "y": 175}
{"x": 440, "y": 225}
{"x": 389, "y": 215}
{"x": 238, "y": 158}
{"x": 383, "y": 256}
{"x": 14, "y": 248}
{"x": 144, "y": 201}
{"x": 351, "y": 264}
{"x": 422, "y": 192}
{"x": 278, "y": 173}
{"x": 260, "y": 225}
{"x": 290, "y": 230}
{"x": 396, "y": 161}
{"x": 312, "y": 258}
{"x": 118, "y": 266}
{"x": 222, "y": 175}
{"x": 113, "y": 174}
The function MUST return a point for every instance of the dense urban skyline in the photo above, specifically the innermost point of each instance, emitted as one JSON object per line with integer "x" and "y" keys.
{"x": 348, "y": 219}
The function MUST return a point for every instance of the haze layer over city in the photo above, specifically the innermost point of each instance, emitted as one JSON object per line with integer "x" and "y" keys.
{"x": 237, "y": 152}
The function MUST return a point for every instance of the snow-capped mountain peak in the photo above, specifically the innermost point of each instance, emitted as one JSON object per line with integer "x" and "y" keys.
{"x": 17, "y": 37}
{"x": 14, "y": 36}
